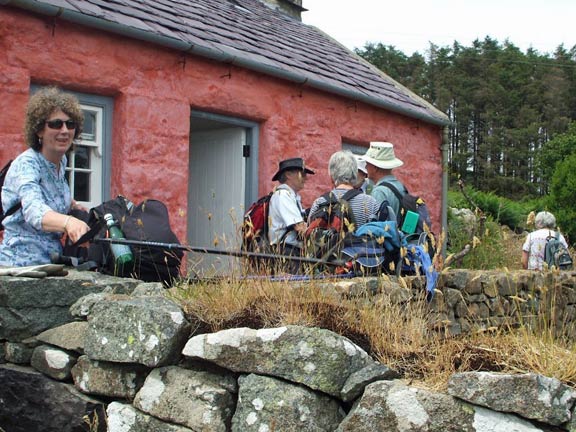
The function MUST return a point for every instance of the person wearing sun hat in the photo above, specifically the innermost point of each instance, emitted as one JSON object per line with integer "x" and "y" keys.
{"x": 380, "y": 161}
{"x": 286, "y": 219}
{"x": 363, "y": 182}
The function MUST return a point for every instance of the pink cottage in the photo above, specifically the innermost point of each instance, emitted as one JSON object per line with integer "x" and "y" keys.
{"x": 194, "y": 103}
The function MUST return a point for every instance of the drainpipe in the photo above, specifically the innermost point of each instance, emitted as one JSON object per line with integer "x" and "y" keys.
{"x": 224, "y": 55}
{"x": 445, "y": 170}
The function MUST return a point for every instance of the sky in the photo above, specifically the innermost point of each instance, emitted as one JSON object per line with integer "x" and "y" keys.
{"x": 410, "y": 25}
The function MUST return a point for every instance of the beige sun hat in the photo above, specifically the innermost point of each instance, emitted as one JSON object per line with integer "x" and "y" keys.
{"x": 381, "y": 155}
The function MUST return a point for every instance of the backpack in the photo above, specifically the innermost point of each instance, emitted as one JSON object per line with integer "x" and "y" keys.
{"x": 555, "y": 253}
{"x": 374, "y": 248}
{"x": 329, "y": 225}
{"x": 145, "y": 222}
{"x": 255, "y": 226}
{"x": 417, "y": 208}
{"x": 15, "y": 207}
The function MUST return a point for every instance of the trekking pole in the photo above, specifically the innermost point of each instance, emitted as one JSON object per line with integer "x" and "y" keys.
{"x": 177, "y": 246}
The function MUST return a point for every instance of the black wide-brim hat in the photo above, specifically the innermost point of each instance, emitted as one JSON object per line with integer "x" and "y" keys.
{"x": 291, "y": 164}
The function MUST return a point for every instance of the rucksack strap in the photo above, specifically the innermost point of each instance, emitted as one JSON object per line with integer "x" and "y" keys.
{"x": 89, "y": 235}
{"x": 351, "y": 194}
{"x": 289, "y": 229}
{"x": 332, "y": 198}
{"x": 12, "y": 210}
{"x": 394, "y": 189}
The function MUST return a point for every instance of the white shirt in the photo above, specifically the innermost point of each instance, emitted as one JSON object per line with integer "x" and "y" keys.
{"x": 535, "y": 245}
{"x": 285, "y": 210}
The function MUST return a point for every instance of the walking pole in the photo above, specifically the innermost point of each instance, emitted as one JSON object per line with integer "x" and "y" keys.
{"x": 177, "y": 246}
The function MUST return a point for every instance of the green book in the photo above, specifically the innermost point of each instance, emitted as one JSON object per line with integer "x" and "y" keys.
{"x": 410, "y": 222}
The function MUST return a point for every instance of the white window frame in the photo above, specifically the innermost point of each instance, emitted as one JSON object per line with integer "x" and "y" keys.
{"x": 95, "y": 154}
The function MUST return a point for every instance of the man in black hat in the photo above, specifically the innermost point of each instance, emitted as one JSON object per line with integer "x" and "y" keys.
{"x": 286, "y": 220}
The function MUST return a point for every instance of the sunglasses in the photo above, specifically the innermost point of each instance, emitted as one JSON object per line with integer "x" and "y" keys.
{"x": 57, "y": 124}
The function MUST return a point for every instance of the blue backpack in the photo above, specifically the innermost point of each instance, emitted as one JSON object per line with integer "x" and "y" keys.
{"x": 555, "y": 253}
{"x": 373, "y": 248}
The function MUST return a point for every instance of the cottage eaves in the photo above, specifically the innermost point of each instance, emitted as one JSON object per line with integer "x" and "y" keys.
{"x": 249, "y": 34}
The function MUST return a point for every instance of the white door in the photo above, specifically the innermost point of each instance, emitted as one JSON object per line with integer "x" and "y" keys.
{"x": 216, "y": 197}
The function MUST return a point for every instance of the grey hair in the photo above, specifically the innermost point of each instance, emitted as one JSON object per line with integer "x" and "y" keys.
{"x": 343, "y": 168}
{"x": 545, "y": 219}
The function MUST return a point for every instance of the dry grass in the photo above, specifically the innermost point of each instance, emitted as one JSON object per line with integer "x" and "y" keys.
{"x": 398, "y": 335}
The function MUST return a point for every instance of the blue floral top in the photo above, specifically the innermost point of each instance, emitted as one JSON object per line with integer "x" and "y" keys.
{"x": 35, "y": 182}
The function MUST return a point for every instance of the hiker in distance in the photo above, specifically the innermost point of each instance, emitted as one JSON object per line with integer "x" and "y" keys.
{"x": 343, "y": 170}
{"x": 380, "y": 161}
{"x": 286, "y": 223}
{"x": 36, "y": 182}
{"x": 535, "y": 243}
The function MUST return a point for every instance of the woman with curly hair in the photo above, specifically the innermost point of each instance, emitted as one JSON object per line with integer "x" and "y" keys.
{"x": 36, "y": 182}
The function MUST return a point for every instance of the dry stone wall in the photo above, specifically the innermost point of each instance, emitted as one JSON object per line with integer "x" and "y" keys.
{"x": 105, "y": 354}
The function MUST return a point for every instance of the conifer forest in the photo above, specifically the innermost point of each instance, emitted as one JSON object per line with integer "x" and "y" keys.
{"x": 505, "y": 105}
{"x": 513, "y": 115}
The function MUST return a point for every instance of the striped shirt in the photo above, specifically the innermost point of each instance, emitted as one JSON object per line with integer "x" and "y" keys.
{"x": 363, "y": 206}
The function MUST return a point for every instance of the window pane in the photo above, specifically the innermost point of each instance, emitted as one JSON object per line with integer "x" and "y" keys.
{"x": 82, "y": 157}
{"x": 89, "y": 131}
{"x": 81, "y": 186}
{"x": 354, "y": 148}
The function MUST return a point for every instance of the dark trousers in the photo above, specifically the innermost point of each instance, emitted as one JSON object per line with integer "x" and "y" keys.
{"x": 288, "y": 265}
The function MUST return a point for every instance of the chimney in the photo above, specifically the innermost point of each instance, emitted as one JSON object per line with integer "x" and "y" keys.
{"x": 292, "y": 8}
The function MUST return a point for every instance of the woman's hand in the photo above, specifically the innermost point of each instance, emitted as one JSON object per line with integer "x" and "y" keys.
{"x": 75, "y": 228}
{"x": 76, "y": 206}
{"x": 58, "y": 222}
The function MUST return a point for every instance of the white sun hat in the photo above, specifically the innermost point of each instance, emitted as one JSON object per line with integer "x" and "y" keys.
{"x": 381, "y": 155}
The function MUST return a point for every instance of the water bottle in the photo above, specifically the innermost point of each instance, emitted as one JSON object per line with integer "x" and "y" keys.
{"x": 122, "y": 253}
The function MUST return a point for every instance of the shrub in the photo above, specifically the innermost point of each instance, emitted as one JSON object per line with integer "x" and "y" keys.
{"x": 563, "y": 195}
{"x": 502, "y": 210}
{"x": 495, "y": 247}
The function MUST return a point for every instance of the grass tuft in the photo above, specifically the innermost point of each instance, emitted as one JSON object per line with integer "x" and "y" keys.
{"x": 396, "y": 333}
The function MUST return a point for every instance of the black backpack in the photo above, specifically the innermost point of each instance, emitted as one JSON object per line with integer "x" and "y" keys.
{"x": 555, "y": 253}
{"x": 330, "y": 224}
{"x": 412, "y": 203}
{"x": 145, "y": 222}
{"x": 15, "y": 207}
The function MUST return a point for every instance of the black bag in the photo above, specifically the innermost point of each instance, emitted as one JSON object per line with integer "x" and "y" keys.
{"x": 146, "y": 222}
{"x": 416, "y": 204}
{"x": 15, "y": 207}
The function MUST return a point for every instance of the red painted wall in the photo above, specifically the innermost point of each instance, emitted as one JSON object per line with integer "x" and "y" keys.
{"x": 155, "y": 88}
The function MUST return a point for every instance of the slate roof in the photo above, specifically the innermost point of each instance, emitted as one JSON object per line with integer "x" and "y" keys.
{"x": 250, "y": 34}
